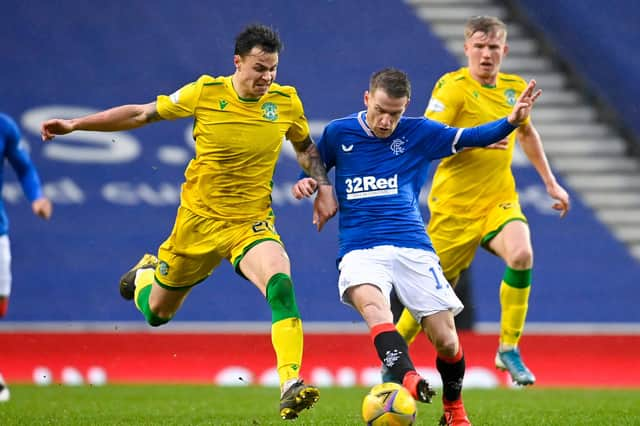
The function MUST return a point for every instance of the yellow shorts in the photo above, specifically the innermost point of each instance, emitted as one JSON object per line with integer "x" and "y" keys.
{"x": 198, "y": 244}
{"x": 456, "y": 238}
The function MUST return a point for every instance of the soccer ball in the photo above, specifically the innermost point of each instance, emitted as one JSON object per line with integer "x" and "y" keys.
{"x": 388, "y": 404}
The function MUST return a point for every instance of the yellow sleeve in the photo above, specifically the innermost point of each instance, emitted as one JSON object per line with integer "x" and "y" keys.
{"x": 445, "y": 103}
{"x": 182, "y": 102}
{"x": 299, "y": 129}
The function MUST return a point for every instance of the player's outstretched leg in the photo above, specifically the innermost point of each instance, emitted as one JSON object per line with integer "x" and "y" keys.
{"x": 394, "y": 354}
{"x": 128, "y": 280}
{"x": 409, "y": 329}
{"x": 511, "y": 361}
{"x": 297, "y": 398}
{"x": 287, "y": 340}
{"x": 136, "y": 284}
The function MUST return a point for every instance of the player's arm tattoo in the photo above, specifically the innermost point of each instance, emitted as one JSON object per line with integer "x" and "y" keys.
{"x": 154, "y": 116}
{"x": 309, "y": 159}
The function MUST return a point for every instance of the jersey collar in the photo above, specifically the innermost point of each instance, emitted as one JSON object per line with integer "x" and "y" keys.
{"x": 362, "y": 120}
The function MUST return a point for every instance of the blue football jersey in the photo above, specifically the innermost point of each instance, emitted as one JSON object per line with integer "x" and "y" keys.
{"x": 378, "y": 181}
{"x": 21, "y": 163}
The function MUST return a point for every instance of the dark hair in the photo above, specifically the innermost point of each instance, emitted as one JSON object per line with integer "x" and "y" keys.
{"x": 393, "y": 81}
{"x": 485, "y": 24}
{"x": 258, "y": 35}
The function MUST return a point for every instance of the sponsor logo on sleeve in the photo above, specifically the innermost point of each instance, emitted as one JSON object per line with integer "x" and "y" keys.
{"x": 435, "y": 105}
{"x": 175, "y": 96}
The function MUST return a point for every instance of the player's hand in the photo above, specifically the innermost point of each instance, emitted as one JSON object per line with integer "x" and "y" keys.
{"x": 325, "y": 206}
{"x": 304, "y": 188}
{"x": 522, "y": 108}
{"x": 558, "y": 193}
{"x": 50, "y": 128}
{"x": 42, "y": 207}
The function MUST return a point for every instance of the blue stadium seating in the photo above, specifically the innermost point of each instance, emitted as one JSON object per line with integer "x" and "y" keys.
{"x": 600, "y": 40}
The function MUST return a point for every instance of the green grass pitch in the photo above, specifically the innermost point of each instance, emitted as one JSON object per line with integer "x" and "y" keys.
{"x": 210, "y": 405}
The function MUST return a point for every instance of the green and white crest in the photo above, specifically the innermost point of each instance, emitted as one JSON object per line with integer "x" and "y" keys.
{"x": 510, "y": 96}
{"x": 163, "y": 268}
{"x": 270, "y": 111}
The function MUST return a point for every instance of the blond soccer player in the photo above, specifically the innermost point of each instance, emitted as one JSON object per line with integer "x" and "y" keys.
{"x": 473, "y": 199}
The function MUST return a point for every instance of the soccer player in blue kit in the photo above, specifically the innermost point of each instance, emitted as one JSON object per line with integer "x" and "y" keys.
{"x": 381, "y": 160}
{"x": 40, "y": 206}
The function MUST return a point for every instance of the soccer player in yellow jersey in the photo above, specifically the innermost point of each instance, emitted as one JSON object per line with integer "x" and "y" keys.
{"x": 473, "y": 200}
{"x": 225, "y": 207}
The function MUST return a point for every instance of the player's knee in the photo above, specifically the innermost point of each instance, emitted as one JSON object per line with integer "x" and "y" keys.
{"x": 446, "y": 345}
{"x": 374, "y": 312}
{"x": 281, "y": 297}
{"x": 161, "y": 310}
{"x": 445, "y": 340}
{"x": 520, "y": 258}
{"x": 155, "y": 316}
{"x": 156, "y": 321}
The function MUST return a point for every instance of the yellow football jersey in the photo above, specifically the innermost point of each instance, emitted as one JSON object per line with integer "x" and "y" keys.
{"x": 474, "y": 180}
{"x": 237, "y": 143}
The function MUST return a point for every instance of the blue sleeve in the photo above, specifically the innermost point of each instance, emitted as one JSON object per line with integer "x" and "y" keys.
{"x": 326, "y": 154}
{"x": 20, "y": 161}
{"x": 484, "y": 135}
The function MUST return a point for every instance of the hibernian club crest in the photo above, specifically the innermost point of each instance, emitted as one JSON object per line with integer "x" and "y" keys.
{"x": 163, "y": 268}
{"x": 510, "y": 96}
{"x": 270, "y": 111}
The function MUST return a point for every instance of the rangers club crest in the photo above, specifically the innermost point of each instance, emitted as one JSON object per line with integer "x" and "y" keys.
{"x": 397, "y": 146}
